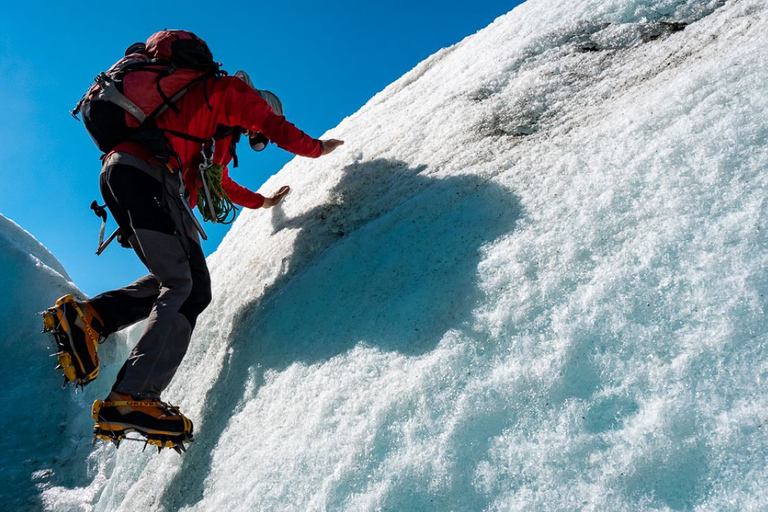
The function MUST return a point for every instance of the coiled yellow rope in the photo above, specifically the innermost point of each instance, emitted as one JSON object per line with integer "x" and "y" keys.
{"x": 222, "y": 205}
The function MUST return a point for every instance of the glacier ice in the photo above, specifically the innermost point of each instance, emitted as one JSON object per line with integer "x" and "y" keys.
{"x": 532, "y": 279}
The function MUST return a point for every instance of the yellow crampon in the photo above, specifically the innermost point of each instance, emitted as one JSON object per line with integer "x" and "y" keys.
{"x": 115, "y": 431}
{"x": 77, "y": 350}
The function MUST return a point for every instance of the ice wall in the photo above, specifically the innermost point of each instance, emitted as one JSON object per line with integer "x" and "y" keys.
{"x": 46, "y": 430}
{"x": 533, "y": 279}
{"x": 32, "y": 421}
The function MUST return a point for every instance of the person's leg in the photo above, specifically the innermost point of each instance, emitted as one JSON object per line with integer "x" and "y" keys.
{"x": 137, "y": 378}
{"x": 134, "y": 402}
{"x": 128, "y": 305}
{"x": 200, "y": 296}
{"x": 164, "y": 342}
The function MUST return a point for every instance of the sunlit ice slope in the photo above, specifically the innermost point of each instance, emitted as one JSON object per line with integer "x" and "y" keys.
{"x": 532, "y": 279}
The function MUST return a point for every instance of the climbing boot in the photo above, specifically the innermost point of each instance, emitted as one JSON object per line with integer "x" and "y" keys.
{"x": 78, "y": 330}
{"x": 160, "y": 424}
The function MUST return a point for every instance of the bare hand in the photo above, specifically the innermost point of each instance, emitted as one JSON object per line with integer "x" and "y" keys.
{"x": 269, "y": 202}
{"x": 330, "y": 144}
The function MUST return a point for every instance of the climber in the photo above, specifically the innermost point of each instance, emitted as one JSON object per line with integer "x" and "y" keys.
{"x": 152, "y": 174}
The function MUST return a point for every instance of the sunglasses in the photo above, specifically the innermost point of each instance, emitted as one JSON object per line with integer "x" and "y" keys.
{"x": 257, "y": 140}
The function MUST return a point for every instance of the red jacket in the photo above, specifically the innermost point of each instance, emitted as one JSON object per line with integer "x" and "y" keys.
{"x": 223, "y": 101}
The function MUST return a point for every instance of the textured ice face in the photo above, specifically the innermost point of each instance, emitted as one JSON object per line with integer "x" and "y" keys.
{"x": 532, "y": 279}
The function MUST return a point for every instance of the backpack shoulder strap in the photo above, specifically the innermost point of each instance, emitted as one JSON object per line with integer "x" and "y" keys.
{"x": 109, "y": 92}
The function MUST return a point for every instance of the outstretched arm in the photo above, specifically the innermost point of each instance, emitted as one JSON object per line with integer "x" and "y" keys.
{"x": 238, "y": 194}
{"x": 244, "y": 107}
{"x": 244, "y": 197}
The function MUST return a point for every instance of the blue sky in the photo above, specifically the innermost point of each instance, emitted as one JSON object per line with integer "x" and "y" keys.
{"x": 324, "y": 60}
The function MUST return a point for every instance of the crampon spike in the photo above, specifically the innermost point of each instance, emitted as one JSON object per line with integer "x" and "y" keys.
{"x": 49, "y": 322}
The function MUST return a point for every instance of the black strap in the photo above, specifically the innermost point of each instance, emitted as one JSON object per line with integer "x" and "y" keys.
{"x": 166, "y": 101}
{"x": 233, "y": 147}
{"x": 184, "y": 136}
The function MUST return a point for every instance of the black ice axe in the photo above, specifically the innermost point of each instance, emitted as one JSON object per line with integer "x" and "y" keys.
{"x": 101, "y": 212}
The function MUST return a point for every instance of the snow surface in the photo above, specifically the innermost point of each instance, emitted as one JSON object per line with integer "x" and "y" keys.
{"x": 533, "y": 279}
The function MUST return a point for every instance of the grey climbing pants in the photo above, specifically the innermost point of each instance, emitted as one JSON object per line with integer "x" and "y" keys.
{"x": 148, "y": 209}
